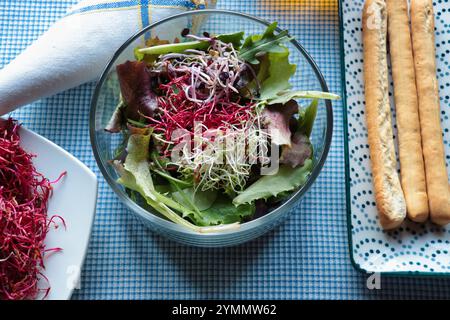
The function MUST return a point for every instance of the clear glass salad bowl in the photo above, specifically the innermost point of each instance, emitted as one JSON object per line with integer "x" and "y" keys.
{"x": 106, "y": 95}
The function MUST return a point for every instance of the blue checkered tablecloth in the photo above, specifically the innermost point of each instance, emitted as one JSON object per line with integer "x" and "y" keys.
{"x": 305, "y": 258}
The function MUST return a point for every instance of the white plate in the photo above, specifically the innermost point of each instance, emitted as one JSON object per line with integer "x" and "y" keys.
{"x": 74, "y": 199}
{"x": 412, "y": 249}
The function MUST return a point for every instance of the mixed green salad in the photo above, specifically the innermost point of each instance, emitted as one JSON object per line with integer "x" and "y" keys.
{"x": 213, "y": 134}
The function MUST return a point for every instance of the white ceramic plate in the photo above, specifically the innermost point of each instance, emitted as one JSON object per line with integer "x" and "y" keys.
{"x": 74, "y": 199}
{"x": 413, "y": 249}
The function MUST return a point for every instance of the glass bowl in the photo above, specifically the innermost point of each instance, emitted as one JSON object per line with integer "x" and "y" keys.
{"x": 106, "y": 95}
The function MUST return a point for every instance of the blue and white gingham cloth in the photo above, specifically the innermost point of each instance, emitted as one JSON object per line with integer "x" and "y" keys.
{"x": 305, "y": 258}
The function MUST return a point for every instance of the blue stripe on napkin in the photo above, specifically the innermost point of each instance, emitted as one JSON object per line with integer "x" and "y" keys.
{"x": 183, "y": 3}
{"x": 145, "y": 19}
{"x": 144, "y": 4}
{"x": 109, "y": 5}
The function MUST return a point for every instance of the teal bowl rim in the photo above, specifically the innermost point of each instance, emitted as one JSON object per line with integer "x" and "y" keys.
{"x": 173, "y": 227}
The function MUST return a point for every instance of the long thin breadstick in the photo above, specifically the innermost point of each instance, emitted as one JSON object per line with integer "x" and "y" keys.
{"x": 422, "y": 27}
{"x": 407, "y": 109}
{"x": 388, "y": 192}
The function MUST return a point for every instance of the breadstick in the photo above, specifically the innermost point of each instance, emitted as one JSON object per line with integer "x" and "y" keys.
{"x": 388, "y": 192}
{"x": 408, "y": 124}
{"x": 422, "y": 27}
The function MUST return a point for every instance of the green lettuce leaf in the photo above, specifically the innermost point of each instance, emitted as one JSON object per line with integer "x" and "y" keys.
{"x": 128, "y": 180}
{"x": 137, "y": 162}
{"x": 286, "y": 179}
{"x": 277, "y": 74}
{"x": 223, "y": 211}
{"x": 210, "y": 209}
{"x": 234, "y": 38}
{"x": 307, "y": 118}
{"x": 139, "y": 56}
{"x": 256, "y": 45}
{"x": 136, "y": 172}
{"x": 195, "y": 200}
{"x": 284, "y": 96}
{"x": 114, "y": 124}
{"x": 149, "y": 43}
{"x": 135, "y": 175}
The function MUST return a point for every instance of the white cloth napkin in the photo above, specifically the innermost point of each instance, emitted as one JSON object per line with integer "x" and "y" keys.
{"x": 76, "y": 48}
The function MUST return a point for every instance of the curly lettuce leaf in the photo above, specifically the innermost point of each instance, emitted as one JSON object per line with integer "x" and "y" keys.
{"x": 257, "y": 45}
{"x": 286, "y": 179}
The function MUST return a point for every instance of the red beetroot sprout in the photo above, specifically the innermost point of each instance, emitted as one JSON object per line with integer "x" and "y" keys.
{"x": 24, "y": 224}
{"x": 59, "y": 178}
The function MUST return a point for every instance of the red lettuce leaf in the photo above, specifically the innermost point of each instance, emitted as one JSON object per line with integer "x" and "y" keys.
{"x": 277, "y": 118}
{"x": 135, "y": 85}
{"x": 296, "y": 154}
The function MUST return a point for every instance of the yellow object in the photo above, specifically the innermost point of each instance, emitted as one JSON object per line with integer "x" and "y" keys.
{"x": 295, "y": 4}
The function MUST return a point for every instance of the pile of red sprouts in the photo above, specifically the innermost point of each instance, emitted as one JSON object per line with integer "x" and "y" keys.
{"x": 178, "y": 112}
{"x": 24, "y": 194}
{"x": 201, "y": 88}
{"x": 198, "y": 95}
